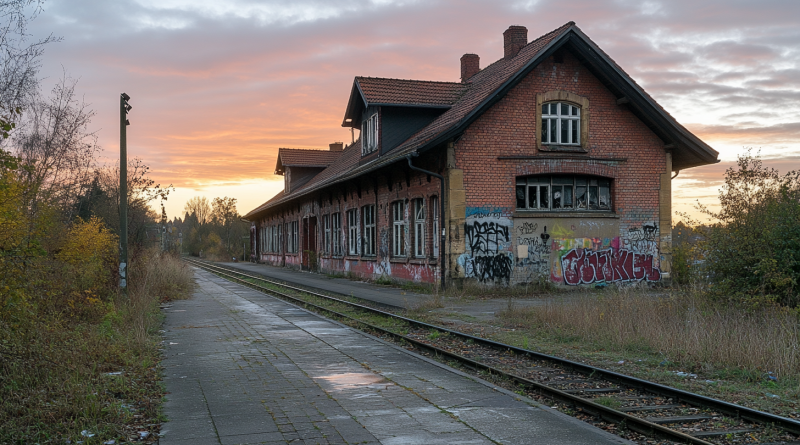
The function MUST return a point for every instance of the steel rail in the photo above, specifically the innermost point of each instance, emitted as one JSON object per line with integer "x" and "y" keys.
{"x": 594, "y": 408}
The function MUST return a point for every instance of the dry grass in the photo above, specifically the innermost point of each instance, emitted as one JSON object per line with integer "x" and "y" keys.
{"x": 683, "y": 327}
{"x": 472, "y": 289}
{"x": 53, "y": 368}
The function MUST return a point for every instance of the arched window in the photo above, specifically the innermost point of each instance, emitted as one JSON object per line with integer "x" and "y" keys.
{"x": 561, "y": 124}
{"x": 563, "y": 193}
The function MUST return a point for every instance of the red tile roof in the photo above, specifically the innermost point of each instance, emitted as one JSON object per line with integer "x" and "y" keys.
{"x": 298, "y": 157}
{"x": 377, "y": 90}
{"x": 466, "y": 101}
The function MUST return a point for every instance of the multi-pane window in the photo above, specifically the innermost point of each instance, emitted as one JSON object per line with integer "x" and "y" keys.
{"x": 419, "y": 228}
{"x": 280, "y": 240}
{"x": 352, "y": 232}
{"x": 275, "y": 239}
{"x": 291, "y": 237}
{"x": 326, "y": 224}
{"x": 368, "y": 242}
{"x": 336, "y": 223}
{"x": 262, "y": 245}
{"x": 563, "y": 192}
{"x": 398, "y": 229}
{"x": 292, "y": 246}
{"x": 369, "y": 130}
{"x": 436, "y": 231}
{"x": 561, "y": 124}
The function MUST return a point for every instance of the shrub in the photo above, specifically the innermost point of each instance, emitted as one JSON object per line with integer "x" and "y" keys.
{"x": 752, "y": 249}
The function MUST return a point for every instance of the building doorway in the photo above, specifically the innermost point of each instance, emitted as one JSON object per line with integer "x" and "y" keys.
{"x": 309, "y": 253}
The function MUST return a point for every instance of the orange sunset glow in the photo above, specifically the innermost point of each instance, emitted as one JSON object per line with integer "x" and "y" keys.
{"x": 218, "y": 87}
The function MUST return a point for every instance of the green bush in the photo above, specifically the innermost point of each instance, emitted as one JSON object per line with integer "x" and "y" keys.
{"x": 752, "y": 248}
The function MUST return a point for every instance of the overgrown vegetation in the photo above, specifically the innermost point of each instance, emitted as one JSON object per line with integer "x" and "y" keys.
{"x": 750, "y": 252}
{"x": 78, "y": 359}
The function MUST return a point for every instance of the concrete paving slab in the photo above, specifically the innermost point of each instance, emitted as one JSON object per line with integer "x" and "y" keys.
{"x": 242, "y": 368}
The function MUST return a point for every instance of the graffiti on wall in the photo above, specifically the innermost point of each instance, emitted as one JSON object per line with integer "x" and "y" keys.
{"x": 487, "y": 236}
{"x": 533, "y": 258}
{"x": 608, "y": 260}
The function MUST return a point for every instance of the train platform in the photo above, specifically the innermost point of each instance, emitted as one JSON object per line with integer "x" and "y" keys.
{"x": 244, "y": 368}
{"x": 386, "y": 295}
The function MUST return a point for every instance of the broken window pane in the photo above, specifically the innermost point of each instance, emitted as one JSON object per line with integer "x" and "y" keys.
{"x": 593, "y": 197}
{"x": 556, "y": 196}
{"x": 580, "y": 195}
{"x": 532, "y": 203}
{"x": 520, "y": 196}
{"x": 544, "y": 197}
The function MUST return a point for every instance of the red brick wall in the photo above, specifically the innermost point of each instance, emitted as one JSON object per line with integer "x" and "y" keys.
{"x": 345, "y": 197}
{"x": 509, "y": 129}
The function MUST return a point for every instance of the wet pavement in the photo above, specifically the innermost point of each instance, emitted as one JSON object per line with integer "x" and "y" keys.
{"x": 244, "y": 368}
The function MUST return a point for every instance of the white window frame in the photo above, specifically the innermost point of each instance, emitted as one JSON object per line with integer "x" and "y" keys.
{"x": 368, "y": 219}
{"x": 291, "y": 237}
{"x": 369, "y": 130}
{"x": 436, "y": 230}
{"x": 336, "y": 229}
{"x": 326, "y": 224}
{"x": 563, "y": 193}
{"x": 566, "y": 121}
{"x": 279, "y": 247}
{"x": 419, "y": 228}
{"x": 352, "y": 232}
{"x": 398, "y": 229}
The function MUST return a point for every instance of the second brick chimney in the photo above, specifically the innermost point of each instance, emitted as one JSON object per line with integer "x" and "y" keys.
{"x": 514, "y": 38}
{"x": 470, "y": 65}
{"x": 336, "y": 146}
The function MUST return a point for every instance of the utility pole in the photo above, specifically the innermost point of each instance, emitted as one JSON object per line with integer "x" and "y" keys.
{"x": 123, "y": 191}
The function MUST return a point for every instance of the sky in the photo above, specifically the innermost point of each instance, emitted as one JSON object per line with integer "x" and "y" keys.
{"x": 218, "y": 86}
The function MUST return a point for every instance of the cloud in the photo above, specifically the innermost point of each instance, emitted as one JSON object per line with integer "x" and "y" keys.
{"x": 217, "y": 87}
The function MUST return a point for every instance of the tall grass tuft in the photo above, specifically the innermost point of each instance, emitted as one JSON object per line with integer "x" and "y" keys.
{"x": 55, "y": 365}
{"x": 684, "y": 327}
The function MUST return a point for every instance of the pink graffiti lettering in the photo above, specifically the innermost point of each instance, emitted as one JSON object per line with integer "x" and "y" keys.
{"x": 584, "y": 266}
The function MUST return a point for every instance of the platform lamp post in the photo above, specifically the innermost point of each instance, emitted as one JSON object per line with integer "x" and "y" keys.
{"x": 123, "y": 191}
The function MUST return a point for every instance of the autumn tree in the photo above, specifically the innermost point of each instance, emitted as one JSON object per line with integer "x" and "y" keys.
{"x": 752, "y": 248}
{"x": 225, "y": 214}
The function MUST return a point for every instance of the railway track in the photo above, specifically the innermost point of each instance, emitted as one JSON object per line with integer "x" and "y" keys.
{"x": 647, "y": 408}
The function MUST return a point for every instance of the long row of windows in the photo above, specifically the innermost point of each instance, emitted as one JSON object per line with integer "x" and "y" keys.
{"x": 361, "y": 231}
{"x": 271, "y": 237}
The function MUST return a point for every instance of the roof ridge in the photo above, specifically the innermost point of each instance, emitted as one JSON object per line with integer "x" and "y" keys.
{"x": 410, "y": 80}
{"x": 308, "y": 149}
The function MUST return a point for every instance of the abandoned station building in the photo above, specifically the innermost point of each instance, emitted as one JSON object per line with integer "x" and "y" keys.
{"x": 550, "y": 163}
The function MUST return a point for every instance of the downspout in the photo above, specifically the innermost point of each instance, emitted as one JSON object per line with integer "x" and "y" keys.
{"x": 441, "y": 214}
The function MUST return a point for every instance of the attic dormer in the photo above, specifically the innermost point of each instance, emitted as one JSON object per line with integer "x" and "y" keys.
{"x": 389, "y": 111}
{"x": 298, "y": 166}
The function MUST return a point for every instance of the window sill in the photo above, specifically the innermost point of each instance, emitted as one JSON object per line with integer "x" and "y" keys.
{"x": 557, "y": 214}
{"x": 399, "y": 260}
{"x": 563, "y": 148}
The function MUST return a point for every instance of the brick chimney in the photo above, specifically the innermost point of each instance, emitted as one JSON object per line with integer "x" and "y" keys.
{"x": 470, "y": 65}
{"x": 514, "y": 38}
{"x": 336, "y": 146}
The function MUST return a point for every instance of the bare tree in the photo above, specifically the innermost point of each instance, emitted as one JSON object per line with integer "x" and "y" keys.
{"x": 200, "y": 208}
{"x": 19, "y": 58}
{"x": 57, "y": 148}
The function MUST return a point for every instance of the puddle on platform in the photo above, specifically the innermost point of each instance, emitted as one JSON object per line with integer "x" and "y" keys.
{"x": 350, "y": 380}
